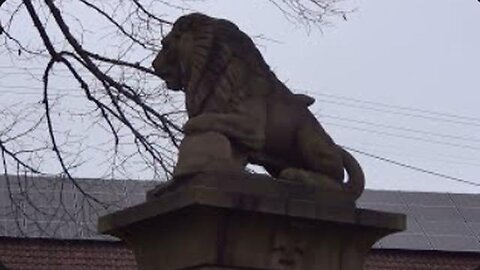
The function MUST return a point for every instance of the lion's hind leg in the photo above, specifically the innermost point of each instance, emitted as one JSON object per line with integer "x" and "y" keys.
{"x": 321, "y": 162}
{"x": 319, "y": 153}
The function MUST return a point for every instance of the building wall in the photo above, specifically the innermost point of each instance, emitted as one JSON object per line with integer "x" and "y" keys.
{"x": 47, "y": 254}
{"x": 379, "y": 259}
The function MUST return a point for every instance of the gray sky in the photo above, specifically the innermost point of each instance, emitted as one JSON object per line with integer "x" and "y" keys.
{"x": 364, "y": 72}
{"x": 418, "y": 54}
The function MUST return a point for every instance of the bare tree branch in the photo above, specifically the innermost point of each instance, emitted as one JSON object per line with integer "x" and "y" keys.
{"x": 98, "y": 97}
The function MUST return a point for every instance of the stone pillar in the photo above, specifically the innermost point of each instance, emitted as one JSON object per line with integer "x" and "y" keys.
{"x": 234, "y": 221}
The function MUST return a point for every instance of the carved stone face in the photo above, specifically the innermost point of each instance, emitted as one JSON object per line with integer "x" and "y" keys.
{"x": 167, "y": 64}
{"x": 288, "y": 250}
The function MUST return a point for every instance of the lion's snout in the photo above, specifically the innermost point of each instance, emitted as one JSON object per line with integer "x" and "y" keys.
{"x": 157, "y": 67}
{"x": 167, "y": 72}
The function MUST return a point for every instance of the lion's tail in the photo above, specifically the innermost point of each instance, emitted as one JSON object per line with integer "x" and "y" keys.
{"x": 356, "y": 178}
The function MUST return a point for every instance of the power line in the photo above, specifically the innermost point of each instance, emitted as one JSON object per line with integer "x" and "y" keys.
{"x": 400, "y": 113}
{"x": 406, "y": 137}
{"x": 422, "y": 153}
{"x": 332, "y": 102}
{"x": 429, "y": 156}
{"x": 329, "y": 116}
{"x": 403, "y": 108}
{"x": 415, "y": 168}
{"x": 35, "y": 88}
{"x": 34, "y": 70}
{"x": 378, "y": 106}
{"x": 40, "y": 94}
{"x": 343, "y": 98}
{"x": 470, "y": 139}
{"x": 334, "y": 124}
{"x": 35, "y": 74}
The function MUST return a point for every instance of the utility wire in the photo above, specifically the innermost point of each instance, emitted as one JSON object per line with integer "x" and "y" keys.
{"x": 35, "y": 74}
{"x": 430, "y": 157}
{"x": 338, "y": 97}
{"x": 403, "y": 108}
{"x": 415, "y": 168}
{"x": 320, "y": 100}
{"x": 35, "y": 94}
{"x": 468, "y": 139}
{"x": 397, "y": 107}
{"x": 469, "y": 147}
{"x": 34, "y": 88}
{"x": 34, "y": 70}
{"x": 420, "y": 152}
{"x": 388, "y": 160}
{"x": 344, "y": 101}
{"x": 472, "y": 123}
{"x": 325, "y": 115}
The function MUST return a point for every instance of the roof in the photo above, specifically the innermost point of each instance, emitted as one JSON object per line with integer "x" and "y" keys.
{"x": 48, "y": 207}
{"x": 52, "y": 207}
{"x": 435, "y": 221}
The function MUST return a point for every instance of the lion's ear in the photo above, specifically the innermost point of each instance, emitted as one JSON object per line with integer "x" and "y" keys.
{"x": 307, "y": 100}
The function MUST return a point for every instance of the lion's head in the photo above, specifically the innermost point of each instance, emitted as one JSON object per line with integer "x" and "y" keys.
{"x": 173, "y": 61}
{"x": 167, "y": 63}
{"x": 209, "y": 59}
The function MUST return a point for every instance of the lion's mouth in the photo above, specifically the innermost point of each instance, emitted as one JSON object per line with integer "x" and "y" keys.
{"x": 171, "y": 81}
{"x": 173, "y": 85}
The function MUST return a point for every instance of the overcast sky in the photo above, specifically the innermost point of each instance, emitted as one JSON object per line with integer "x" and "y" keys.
{"x": 399, "y": 80}
{"x": 420, "y": 54}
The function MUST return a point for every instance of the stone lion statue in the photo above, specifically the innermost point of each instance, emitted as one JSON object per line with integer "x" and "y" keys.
{"x": 240, "y": 112}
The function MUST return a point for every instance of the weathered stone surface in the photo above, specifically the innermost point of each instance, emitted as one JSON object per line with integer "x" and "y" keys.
{"x": 255, "y": 184}
{"x": 213, "y": 215}
{"x": 209, "y": 151}
{"x": 230, "y": 90}
{"x": 257, "y": 223}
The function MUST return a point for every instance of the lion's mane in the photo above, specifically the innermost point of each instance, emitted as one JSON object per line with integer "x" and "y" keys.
{"x": 222, "y": 60}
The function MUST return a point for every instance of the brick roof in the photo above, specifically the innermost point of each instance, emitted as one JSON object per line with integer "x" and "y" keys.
{"x": 47, "y": 207}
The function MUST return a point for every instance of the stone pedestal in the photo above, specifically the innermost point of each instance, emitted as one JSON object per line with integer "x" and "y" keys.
{"x": 234, "y": 221}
